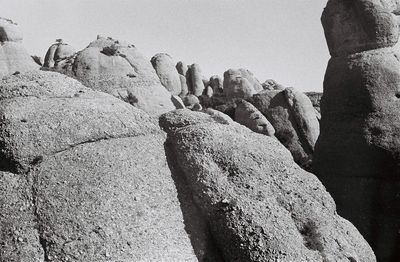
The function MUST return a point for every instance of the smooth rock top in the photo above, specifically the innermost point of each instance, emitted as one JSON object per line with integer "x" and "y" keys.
{"x": 240, "y": 83}
{"x": 56, "y": 52}
{"x": 166, "y": 71}
{"x": 360, "y": 25}
{"x": 9, "y": 31}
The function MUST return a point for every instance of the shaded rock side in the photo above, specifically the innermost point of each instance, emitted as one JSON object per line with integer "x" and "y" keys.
{"x": 360, "y": 25}
{"x": 357, "y": 155}
{"x": 166, "y": 71}
{"x": 195, "y": 83}
{"x": 118, "y": 68}
{"x": 249, "y": 116}
{"x": 57, "y": 52}
{"x": 259, "y": 204}
{"x": 294, "y": 119}
{"x": 240, "y": 83}
{"x": 13, "y": 55}
{"x": 101, "y": 186}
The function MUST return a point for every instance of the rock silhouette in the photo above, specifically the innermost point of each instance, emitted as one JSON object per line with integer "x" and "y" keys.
{"x": 357, "y": 153}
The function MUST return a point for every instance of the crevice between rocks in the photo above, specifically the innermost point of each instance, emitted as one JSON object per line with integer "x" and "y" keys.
{"x": 196, "y": 225}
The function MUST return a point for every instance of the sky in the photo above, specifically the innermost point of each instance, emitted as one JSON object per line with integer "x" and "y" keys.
{"x": 275, "y": 39}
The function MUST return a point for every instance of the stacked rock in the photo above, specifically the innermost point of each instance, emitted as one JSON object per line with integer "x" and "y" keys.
{"x": 357, "y": 155}
{"x": 13, "y": 56}
{"x": 119, "y": 69}
{"x": 166, "y": 71}
{"x": 58, "y": 52}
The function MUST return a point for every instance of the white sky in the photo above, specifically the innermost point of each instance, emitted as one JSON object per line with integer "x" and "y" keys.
{"x": 278, "y": 39}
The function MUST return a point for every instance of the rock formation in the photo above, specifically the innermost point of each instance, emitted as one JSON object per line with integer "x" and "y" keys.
{"x": 216, "y": 82}
{"x": 271, "y": 84}
{"x": 357, "y": 155}
{"x": 182, "y": 68}
{"x": 118, "y": 68}
{"x": 195, "y": 84}
{"x": 13, "y": 56}
{"x": 57, "y": 52}
{"x": 86, "y": 177}
{"x": 166, "y": 71}
{"x": 249, "y": 116}
{"x": 259, "y": 204}
{"x": 292, "y": 115}
{"x": 240, "y": 84}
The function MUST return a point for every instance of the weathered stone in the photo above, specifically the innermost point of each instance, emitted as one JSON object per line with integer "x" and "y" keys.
{"x": 360, "y": 25}
{"x": 178, "y": 103}
{"x": 357, "y": 155}
{"x": 184, "y": 86}
{"x": 259, "y": 204}
{"x": 216, "y": 83}
{"x": 315, "y": 98}
{"x": 293, "y": 117}
{"x": 237, "y": 86}
{"x": 101, "y": 186}
{"x": 13, "y": 56}
{"x": 118, "y": 68}
{"x": 57, "y": 52}
{"x": 196, "y": 85}
{"x": 271, "y": 84}
{"x": 249, "y": 116}
{"x": 190, "y": 100}
{"x": 182, "y": 68}
{"x": 166, "y": 71}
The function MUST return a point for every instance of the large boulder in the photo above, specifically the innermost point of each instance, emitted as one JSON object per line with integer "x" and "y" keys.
{"x": 13, "y": 56}
{"x": 166, "y": 71}
{"x": 292, "y": 115}
{"x": 90, "y": 179}
{"x": 240, "y": 83}
{"x": 195, "y": 83}
{"x": 57, "y": 52}
{"x": 357, "y": 155}
{"x": 119, "y": 69}
{"x": 249, "y": 116}
{"x": 360, "y": 25}
{"x": 216, "y": 82}
{"x": 259, "y": 204}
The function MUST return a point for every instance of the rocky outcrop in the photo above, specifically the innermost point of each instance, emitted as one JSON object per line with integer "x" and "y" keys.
{"x": 88, "y": 178}
{"x": 216, "y": 82}
{"x": 292, "y": 115}
{"x": 166, "y": 71}
{"x": 195, "y": 83}
{"x": 182, "y": 68}
{"x": 249, "y": 116}
{"x": 240, "y": 83}
{"x": 259, "y": 204}
{"x": 271, "y": 84}
{"x": 58, "y": 52}
{"x": 13, "y": 56}
{"x": 315, "y": 98}
{"x": 357, "y": 155}
{"x": 119, "y": 69}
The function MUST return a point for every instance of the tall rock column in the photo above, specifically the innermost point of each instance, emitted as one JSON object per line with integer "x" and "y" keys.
{"x": 357, "y": 155}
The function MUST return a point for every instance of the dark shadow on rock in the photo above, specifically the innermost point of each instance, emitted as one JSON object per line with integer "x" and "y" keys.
{"x": 196, "y": 225}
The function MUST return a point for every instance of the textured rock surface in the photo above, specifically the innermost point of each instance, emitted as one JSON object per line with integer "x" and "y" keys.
{"x": 119, "y": 69}
{"x": 101, "y": 186}
{"x": 294, "y": 119}
{"x": 360, "y": 25}
{"x": 357, "y": 154}
{"x": 56, "y": 52}
{"x": 315, "y": 98}
{"x": 184, "y": 86}
{"x": 196, "y": 85}
{"x": 249, "y": 116}
{"x": 259, "y": 204}
{"x": 240, "y": 83}
{"x": 166, "y": 71}
{"x": 271, "y": 84}
{"x": 216, "y": 82}
{"x": 13, "y": 56}
{"x": 182, "y": 68}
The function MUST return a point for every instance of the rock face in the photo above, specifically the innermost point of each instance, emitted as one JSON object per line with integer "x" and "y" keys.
{"x": 315, "y": 98}
{"x": 13, "y": 56}
{"x": 89, "y": 179}
{"x": 58, "y": 52}
{"x": 196, "y": 85}
{"x": 271, "y": 84}
{"x": 240, "y": 84}
{"x": 119, "y": 69}
{"x": 357, "y": 155}
{"x": 216, "y": 82}
{"x": 293, "y": 117}
{"x": 360, "y": 25}
{"x": 182, "y": 68}
{"x": 259, "y": 204}
{"x": 249, "y": 116}
{"x": 166, "y": 71}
